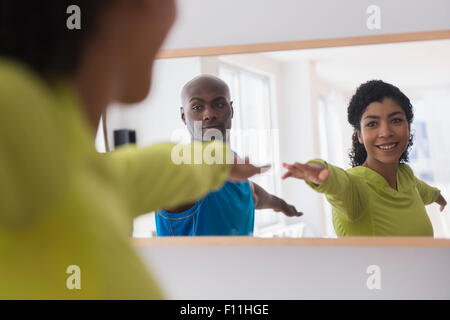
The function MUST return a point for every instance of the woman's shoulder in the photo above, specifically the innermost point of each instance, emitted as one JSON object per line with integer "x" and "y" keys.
{"x": 358, "y": 171}
{"x": 17, "y": 81}
{"x": 26, "y": 99}
{"x": 406, "y": 170}
{"x": 33, "y": 146}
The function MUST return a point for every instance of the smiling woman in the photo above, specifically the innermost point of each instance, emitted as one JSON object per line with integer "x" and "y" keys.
{"x": 380, "y": 195}
{"x": 372, "y": 96}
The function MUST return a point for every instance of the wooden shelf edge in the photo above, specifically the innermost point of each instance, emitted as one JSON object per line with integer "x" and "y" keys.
{"x": 304, "y": 44}
{"x": 301, "y": 242}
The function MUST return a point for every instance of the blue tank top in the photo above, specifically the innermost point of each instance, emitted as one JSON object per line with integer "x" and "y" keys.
{"x": 228, "y": 211}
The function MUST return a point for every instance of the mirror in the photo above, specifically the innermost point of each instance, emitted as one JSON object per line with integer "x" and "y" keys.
{"x": 292, "y": 106}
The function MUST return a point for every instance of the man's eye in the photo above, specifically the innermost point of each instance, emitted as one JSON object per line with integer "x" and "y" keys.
{"x": 397, "y": 120}
{"x": 196, "y": 107}
{"x": 372, "y": 124}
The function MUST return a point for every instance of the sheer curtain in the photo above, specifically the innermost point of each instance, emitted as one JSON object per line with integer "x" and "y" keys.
{"x": 252, "y": 132}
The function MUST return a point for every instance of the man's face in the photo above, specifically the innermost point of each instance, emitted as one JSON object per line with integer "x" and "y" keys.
{"x": 207, "y": 111}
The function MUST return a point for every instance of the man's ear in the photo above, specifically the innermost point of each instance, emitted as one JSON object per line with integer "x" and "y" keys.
{"x": 183, "y": 118}
{"x": 232, "y": 109}
{"x": 360, "y": 139}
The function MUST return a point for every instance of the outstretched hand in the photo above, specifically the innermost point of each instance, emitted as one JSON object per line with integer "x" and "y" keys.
{"x": 442, "y": 202}
{"x": 313, "y": 172}
{"x": 241, "y": 170}
{"x": 288, "y": 210}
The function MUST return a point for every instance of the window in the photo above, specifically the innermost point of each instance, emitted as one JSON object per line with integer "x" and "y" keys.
{"x": 252, "y": 131}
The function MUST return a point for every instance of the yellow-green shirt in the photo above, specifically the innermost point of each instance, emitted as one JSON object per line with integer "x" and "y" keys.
{"x": 364, "y": 204}
{"x": 63, "y": 204}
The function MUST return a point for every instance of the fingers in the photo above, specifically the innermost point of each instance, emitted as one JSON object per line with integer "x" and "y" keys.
{"x": 291, "y": 211}
{"x": 323, "y": 175}
{"x": 289, "y": 172}
{"x": 295, "y": 213}
{"x": 246, "y": 161}
{"x": 296, "y": 170}
{"x": 286, "y": 175}
{"x": 300, "y": 166}
{"x": 313, "y": 172}
{"x": 258, "y": 169}
{"x": 242, "y": 171}
{"x": 265, "y": 168}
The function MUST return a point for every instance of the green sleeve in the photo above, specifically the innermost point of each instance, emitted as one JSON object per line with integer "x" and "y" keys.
{"x": 149, "y": 179}
{"x": 344, "y": 191}
{"x": 33, "y": 170}
{"x": 427, "y": 193}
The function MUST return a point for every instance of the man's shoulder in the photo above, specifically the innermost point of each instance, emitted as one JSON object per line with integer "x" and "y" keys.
{"x": 237, "y": 185}
{"x": 231, "y": 189}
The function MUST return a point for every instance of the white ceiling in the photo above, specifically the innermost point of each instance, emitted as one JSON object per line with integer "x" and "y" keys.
{"x": 407, "y": 64}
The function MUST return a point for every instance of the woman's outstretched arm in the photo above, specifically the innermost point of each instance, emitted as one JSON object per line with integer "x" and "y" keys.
{"x": 345, "y": 192}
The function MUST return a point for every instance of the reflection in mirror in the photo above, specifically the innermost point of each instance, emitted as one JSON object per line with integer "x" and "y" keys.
{"x": 292, "y": 106}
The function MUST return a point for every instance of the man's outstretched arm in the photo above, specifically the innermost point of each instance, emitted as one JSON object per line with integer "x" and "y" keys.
{"x": 265, "y": 200}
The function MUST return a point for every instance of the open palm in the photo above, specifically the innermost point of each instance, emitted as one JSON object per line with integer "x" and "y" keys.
{"x": 241, "y": 170}
{"x": 313, "y": 172}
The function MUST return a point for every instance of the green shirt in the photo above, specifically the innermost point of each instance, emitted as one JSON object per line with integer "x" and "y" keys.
{"x": 364, "y": 204}
{"x": 64, "y": 204}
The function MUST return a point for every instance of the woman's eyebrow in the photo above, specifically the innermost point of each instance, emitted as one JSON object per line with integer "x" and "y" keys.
{"x": 396, "y": 113}
{"x": 371, "y": 117}
{"x": 378, "y": 117}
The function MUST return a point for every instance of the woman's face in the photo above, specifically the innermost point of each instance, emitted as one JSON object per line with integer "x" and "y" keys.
{"x": 384, "y": 132}
{"x": 147, "y": 25}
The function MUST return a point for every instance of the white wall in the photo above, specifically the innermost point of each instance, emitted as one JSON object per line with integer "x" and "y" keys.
{"x": 206, "y": 23}
{"x": 297, "y": 141}
{"x": 157, "y": 117}
{"x": 283, "y": 271}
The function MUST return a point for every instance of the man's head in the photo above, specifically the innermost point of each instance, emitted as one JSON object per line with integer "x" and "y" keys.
{"x": 206, "y": 106}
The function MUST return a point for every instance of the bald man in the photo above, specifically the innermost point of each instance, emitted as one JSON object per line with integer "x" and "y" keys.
{"x": 207, "y": 112}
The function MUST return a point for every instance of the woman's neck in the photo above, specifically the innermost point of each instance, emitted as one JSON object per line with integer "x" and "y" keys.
{"x": 386, "y": 170}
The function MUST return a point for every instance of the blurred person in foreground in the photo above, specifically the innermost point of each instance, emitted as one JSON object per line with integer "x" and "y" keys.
{"x": 66, "y": 210}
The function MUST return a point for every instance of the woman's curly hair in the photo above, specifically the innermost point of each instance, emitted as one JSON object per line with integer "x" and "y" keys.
{"x": 375, "y": 91}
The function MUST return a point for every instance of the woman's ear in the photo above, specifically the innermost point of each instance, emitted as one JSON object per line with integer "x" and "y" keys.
{"x": 360, "y": 139}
